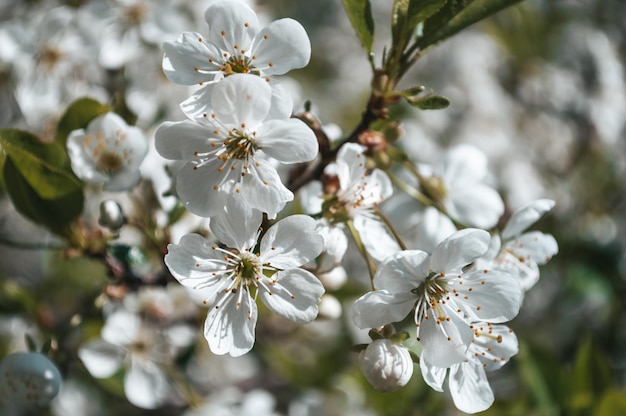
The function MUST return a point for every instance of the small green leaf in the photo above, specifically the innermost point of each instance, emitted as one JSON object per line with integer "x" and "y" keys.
{"x": 55, "y": 214}
{"x": 77, "y": 116}
{"x": 456, "y": 15}
{"x": 360, "y": 15}
{"x": 429, "y": 102}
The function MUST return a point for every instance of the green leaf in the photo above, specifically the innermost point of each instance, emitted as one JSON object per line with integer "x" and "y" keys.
{"x": 429, "y": 102}
{"x": 45, "y": 166}
{"x": 360, "y": 15}
{"x": 77, "y": 116}
{"x": 613, "y": 403}
{"x": 456, "y": 15}
{"x": 55, "y": 214}
{"x": 420, "y": 10}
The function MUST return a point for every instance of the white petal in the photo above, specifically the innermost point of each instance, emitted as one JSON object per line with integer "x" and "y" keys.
{"x": 237, "y": 225}
{"x": 475, "y": 206}
{"x": 433, "y": 229}
{"x": 291, "y": 242}
{"x": 236, "y": 20}
{"x": 526, "y": 216}
{"x": 229, "y": 328}
{"x": 433, "y": 376}
{"x": 285, "y": 44}
{"x": 83, "y": 164}
{"x": 145, "y": 385}
{"x": 462, "y": 166}
{"x": 295, "y": 295}
{"x": 101, "y": 358}
{"x": 199, "y": 104}
{"x": 264, "y": 189}
{"x": 289, "y": 141}
{"x": 539, "y": 246}
{"x": 470, "y": 388}
{"x": 376, "y": 237}
{"x": 182, "y": 58}
{"x": 193, "y": 261}
{"x": 180, "y": 140}
{"x": 489, "y": 295}
{"x": 400, "y": 273}
{"x": 195, "y": 188}
{"x": 121, "y": 328}
{"x": 241, "y": 99}
{"x": 495, "y": 344}
{"x": 122, "y": 180}
{"x": 459, "y": 250}
{"x": 379, "y": 308}
{"x": 350, "y": 164}
{"x": 282, "y": 103}
{"x": 445, "y": 343}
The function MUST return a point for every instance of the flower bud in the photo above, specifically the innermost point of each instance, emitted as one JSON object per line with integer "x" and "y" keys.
{"x": 386, "y": 365}
{"x": 29, "y": 378}
{"x": 111, "y": 215}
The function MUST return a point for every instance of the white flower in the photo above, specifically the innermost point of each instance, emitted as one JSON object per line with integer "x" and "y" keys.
{"x": 236, "y": 44}
{"x": 234, "y": 278}
{"x": 444, "y": 298}
{"x": 492, "y": 347}
{"x": 127, "y": 27}
{"x": 129, "y": 341}
{"x": 457, "y": 179}
{"x": 386, "y": 365}
{"x": 108, "y": 152}
{"x": 527, "y": 251}
{"x": 357, "y": 192}
{"x": 224, "y": 151}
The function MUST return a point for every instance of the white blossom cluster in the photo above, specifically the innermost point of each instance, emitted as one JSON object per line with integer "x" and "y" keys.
{"x": 450, "y": 275}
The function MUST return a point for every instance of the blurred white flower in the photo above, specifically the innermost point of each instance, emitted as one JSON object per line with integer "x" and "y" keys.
{"x": 140, "y": 347}
{"x": 108, "y": 152}
{"x": 457, "y": 181}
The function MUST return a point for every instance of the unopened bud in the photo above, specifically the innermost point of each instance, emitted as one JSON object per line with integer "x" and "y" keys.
{"x": 386, "y": 365}
{"x": 374, "y": 141}
{"x": 111, "y": 215}
{"x": 330, "y": 184}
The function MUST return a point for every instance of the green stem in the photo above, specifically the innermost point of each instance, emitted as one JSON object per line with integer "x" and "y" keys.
{"x": 409, "y": 190}
{"x": 371, "y": 267}
{"x": 391, "y": 228}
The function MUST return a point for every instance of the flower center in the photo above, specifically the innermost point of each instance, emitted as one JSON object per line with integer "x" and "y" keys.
{"x": 135, "y": 14}
{"x": 49, "y": 57}
{"x": 430, "y": 294}
{"x": 239, "y": 64}
{"x": 239, "y": 145}
{"x": 248, "y": 268}
{"x": 109, "y": 162}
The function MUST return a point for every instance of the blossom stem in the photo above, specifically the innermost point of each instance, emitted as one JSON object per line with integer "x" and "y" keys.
{"x": 371, "y": 267}
{"x": 390, "y": 226}
{"x": 409, "y": 190}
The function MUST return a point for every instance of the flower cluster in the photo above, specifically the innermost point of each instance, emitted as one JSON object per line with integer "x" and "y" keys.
{"x": 248, "y": 214}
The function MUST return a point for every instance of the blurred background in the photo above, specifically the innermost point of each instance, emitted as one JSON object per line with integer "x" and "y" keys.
{"x": 539, "y": 88}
